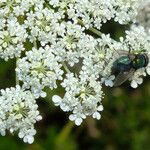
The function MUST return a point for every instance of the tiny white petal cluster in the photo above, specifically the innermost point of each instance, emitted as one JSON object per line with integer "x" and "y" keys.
{"x": 18, "y": 112}
{"x": 43, "y": 24}
{"x": 11, "y": 41}
{"x": 95, "y": 12}
{"x": 83, "y": 98}
{"x": 17, "y": 7}
{"x": 39, "y": 69}
{"x": 69, "y": 43}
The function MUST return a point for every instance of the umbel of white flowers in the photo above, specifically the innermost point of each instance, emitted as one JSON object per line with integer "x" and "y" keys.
{"x": 60, "y": 49}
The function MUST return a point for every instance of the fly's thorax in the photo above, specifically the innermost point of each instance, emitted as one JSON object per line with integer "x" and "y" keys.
{"x": 122, "y": 64}
{"x": 123, "y": 60}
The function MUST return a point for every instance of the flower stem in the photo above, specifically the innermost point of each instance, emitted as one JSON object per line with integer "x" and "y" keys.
{"x": 65, "y": 67}
{"x": 95, "y": 31}
{"x": 64, "y": 134}
{"x": 35, "y": 44}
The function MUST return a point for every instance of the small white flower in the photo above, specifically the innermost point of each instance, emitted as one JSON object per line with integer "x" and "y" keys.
{"x": 108, "y": 81}
{"x": 135, "y": 83}
{"x": 97, "y": 115}
{"x": 137, "y": 79}
{"x": 57, "y": 100}
{"x": 77, "y": 119}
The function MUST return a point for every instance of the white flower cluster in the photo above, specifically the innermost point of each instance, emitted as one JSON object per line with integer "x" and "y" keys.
{"x": 83, "y": 98}
{"x": 18, "y": 112}
{"x": 17, "y": 7}
{"x": 96, "y": 12}
{"x": 59, "y": 41}
{"x": 12, "y": 36}
{"x": 39, "y": 69}
{"x": 43, "y": 24}
{"x": 143, "y": 16}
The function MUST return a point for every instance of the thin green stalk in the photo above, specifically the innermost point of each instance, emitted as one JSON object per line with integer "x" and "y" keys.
{"x": 97, "y": 32}
{"x": 65, "y": 67}
{"x": 64, "y": 134}
{"x": 48, "y": 6}
{"x": 35, "y": 44}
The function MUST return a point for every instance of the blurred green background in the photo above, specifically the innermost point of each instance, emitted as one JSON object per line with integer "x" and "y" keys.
{"x": 125, "y": 122}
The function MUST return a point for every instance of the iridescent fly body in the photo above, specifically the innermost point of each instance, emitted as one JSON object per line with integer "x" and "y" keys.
{"x": 124, "y": 67}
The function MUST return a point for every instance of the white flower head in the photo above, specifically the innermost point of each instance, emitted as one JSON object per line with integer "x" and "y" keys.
{"x": 39, "y": 69}
{"x": 82, "y": 98}
{"x": 11, "y": 41}
{"x": 19, "y": 112}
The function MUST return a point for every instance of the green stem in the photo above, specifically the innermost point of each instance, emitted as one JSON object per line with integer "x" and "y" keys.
{"x": 48, "y": 5}
{"x": 65, "y": 67}
{"x": 35, "y": 44}
{"x": 64, "y": 134}
{"x": 97, "y": 32}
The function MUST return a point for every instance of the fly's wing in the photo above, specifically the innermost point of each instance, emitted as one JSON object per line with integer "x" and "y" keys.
{"x": 123, "y": 76}
{"x": 126, "y": 53}
{"x": 121, "y": 52}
